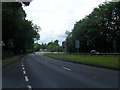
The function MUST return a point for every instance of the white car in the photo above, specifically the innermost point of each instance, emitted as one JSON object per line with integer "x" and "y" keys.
{"x": 94, "y": 52}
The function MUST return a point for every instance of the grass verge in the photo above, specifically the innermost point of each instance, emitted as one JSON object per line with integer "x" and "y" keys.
{"x": 10, "y": 59}
{"x": 108, "y": 61}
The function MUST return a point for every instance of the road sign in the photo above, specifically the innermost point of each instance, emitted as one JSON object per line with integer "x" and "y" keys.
{"x": 77, "y": 44}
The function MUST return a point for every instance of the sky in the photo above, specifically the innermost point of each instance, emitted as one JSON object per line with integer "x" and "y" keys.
{"x": 55, "y": 17}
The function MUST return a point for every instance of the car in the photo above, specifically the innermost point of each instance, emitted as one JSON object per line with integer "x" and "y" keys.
{"x": 93, "y": 52}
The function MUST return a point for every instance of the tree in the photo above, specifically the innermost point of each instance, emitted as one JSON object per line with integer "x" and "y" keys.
{"x": 53, "y": 46}
{"x": 99, "y": 30}
{"x": 17, "y": 29}
{"x": 37, "y": 47}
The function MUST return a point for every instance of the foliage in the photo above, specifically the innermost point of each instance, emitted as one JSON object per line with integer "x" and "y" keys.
{"x": 99, "y": 30}
{"x": 53, "y": 46}
{"x": 37, "y": 47}
{"x": 17, "y": 29}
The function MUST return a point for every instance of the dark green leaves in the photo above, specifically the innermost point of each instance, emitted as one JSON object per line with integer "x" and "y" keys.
{"x": 16, "y": 27}
{"x": 99, "y": 30}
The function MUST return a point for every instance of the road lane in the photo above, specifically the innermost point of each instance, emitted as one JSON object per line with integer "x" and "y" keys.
{"x": 38, "y": 71}
{"x": 45, "y": 72}
{"x": 12, "y": 76}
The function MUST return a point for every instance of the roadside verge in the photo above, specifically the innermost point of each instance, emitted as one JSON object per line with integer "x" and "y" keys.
{"x": 110, "y": 62}
{"x": 10, "y": 60}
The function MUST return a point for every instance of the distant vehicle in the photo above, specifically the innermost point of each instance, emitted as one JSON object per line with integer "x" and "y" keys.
{"x": 94, "y": 52}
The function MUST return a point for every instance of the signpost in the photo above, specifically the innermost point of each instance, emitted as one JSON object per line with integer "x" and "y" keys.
{"x": 77, "y": 45}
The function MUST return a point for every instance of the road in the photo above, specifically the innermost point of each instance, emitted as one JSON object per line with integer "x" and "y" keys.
{"x": 39, "y": 71}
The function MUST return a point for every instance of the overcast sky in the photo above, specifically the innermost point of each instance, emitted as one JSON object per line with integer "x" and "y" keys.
{"x": 56, "y": 16}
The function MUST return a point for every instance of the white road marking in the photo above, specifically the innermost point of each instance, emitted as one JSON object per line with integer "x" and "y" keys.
{"x": 22, "y": 65}
{"x": 24, "y": 72}
{"x": 66, "y": 68}
{"x": 23, "y": 68}
{"x": 46, "y": 61}
{"x": 26, "y": 78}
{"x": 94, "y": 77}
{"x": 29, "y": 87}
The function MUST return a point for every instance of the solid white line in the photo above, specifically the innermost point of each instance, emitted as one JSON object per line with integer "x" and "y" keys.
{"x": 26, "y": 78}
{"x": 29, "y": 87}
{"x": 66, "y": 68}
{"x": 24, "y": 72}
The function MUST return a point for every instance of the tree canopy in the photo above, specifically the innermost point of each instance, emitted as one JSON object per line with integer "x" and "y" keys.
{"x": 100, "y": 30}
{"x": 18, "y": 34}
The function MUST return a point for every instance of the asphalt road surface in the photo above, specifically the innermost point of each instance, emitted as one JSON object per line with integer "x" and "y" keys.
{"x": 38, "y": 71}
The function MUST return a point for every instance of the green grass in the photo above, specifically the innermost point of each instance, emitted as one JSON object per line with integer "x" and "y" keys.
{"x": 9, "y": 59}
{"x": 108, "y": 61}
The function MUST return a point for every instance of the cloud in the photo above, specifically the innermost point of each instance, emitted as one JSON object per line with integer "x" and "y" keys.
{"x": 56, "y": 16}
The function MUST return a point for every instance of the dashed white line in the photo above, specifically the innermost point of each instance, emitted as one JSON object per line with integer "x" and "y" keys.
{"x": 26, "y": 78}
{"x": 46, "y": 61}
{"x": 24, "y": 72}
{"x": 66, "y": 68}
{"x": 22, "y": 65}
{"x": 29, "y": 87}
{"x": 23, "y": 68}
